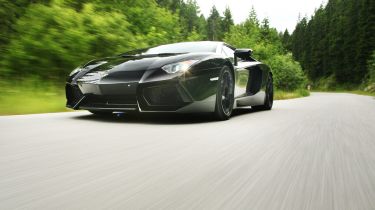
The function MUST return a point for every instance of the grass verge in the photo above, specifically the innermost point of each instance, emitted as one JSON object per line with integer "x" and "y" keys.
{"x": 283, "y": 95}
{"x": 358, "y": 92}
{"x": 330, "y": 85}
{"x": 28, "y": 98}
{"x": 361, "y": 92}
{"x": 341, "y": 90}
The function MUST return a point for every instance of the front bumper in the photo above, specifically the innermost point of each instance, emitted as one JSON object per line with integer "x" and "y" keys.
{"x": 193, "y": 94}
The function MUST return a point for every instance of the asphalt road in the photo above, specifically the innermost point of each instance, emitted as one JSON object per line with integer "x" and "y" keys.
{"x": 310, "y": 153}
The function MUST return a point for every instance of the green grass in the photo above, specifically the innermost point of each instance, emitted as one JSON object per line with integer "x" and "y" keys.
{"x": 283, "y": 95}
{"x": 358, "y": 92}
{"x": 28, "y": 98}
{"x": 330, "y": 85}
{"x": 361, "y": 92}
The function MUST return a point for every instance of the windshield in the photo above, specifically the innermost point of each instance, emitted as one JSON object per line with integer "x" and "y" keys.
{"x": 184, "y": 47}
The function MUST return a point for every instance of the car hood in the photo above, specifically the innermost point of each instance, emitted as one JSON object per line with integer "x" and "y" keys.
{"x": 117, "y": 66}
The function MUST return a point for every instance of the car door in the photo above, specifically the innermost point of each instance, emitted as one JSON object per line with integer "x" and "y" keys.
{"x": 241, "y": 73}
{"x": 249, "y": 76}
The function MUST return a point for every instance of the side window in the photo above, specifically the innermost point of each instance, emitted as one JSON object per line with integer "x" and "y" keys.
{"x": 228, "y": 53}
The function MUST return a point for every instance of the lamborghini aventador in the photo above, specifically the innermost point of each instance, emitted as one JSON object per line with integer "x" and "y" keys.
{"x": 183, "y": 77}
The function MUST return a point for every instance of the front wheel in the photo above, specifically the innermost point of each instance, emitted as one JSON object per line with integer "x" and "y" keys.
{"x": 224, "y": 95}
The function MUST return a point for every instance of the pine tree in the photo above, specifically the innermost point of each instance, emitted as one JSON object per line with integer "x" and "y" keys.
{"x": 285, "y": 37}
{"x": 265, "y": 29}
{"x": 227, "y": 20}
{"x": 337, "y": 41}
{"x": 214, "y": 25}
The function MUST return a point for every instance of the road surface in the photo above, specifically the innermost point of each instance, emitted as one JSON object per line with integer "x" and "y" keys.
{"x": 310, "y": 153}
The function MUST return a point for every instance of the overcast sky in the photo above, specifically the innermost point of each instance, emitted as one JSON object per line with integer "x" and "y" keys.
{"x": 281, "y": 13}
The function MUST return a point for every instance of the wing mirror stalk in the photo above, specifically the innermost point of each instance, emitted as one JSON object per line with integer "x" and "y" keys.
{"x": 244, "y": 54}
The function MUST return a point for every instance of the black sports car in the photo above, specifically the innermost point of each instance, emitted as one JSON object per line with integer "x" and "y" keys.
{"x": 182, "y": 77}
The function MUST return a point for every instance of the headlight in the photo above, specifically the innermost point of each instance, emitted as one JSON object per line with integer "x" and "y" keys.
{"x": 75, "y": 71}
{"x": 178, "y": 67}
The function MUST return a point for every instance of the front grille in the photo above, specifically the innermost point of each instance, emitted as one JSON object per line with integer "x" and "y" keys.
{"x": 95, "y": 100}
{"x": 125, "y": 76}
{"x": 167, "y": 95}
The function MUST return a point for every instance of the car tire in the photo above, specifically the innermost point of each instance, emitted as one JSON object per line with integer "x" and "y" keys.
{"x": 224, "y": 95}
{"x": 268, "y": 101}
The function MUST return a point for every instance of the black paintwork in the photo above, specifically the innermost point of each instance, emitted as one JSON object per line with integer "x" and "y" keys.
{"x": 137, "y": 82}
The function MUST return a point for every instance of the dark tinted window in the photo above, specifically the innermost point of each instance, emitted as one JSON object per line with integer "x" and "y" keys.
{"x": 185, "y": 47}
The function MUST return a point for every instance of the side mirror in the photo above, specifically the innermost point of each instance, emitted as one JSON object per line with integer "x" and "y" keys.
{"x": 244, "y": 54}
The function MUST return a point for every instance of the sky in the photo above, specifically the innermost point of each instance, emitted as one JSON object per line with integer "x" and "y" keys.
{"x": 282, "y": 14}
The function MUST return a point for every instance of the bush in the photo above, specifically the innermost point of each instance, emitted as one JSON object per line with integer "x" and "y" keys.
{"x": 52, "y": 40}
{"x": 287, "y": 73}
{"x": 371, "y": 69}
{"x": 326, "y": 84}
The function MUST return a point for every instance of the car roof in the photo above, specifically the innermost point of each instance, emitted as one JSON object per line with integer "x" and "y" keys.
{"x": 209, "y": 44}
{"x": 219, "y": 43}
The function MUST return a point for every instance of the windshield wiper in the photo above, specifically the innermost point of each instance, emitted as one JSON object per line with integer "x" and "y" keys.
{"x": 127, "y": 56}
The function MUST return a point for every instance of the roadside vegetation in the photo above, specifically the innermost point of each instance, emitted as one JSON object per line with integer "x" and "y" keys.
{"x": 283, "y": 95}
{"x": 336, "y": 46}
{"x": 43, "y": 40}
{"x": 30, "y": 97}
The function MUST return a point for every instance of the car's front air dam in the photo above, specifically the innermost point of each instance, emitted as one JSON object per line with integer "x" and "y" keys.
{"x": 109, "y": 88}
{"x": 74, "y": 96}
{"x": 165, "y": 96}
{"x": 109, "y": 97}
{"x": 175, "y": 96}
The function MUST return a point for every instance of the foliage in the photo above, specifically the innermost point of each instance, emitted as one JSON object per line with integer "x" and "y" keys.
{"x": 286, "y": 39}
{"x": 283, "y": 95}
{"x": 54, "y": 39}
{"x": 31, "y": 96}
{"x": 58, "y": 38}
{"x": 227, "y": 21}
{"x": 193, "y": 25}
{"x": 326, "y": 83}
{"x": 214, "y": 24}
{"x": 371, "y": 68}
{"x": 287, "y": 73}
{"x": 10, "y": 11}
{"x": 336, "y": 41}
{"x": 267, "y": 46}
{"x": 49, "y": 38}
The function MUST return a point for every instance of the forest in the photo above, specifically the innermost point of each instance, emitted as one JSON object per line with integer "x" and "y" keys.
{"x": 42, "y": 41}
{"x": 336, "y": 46}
